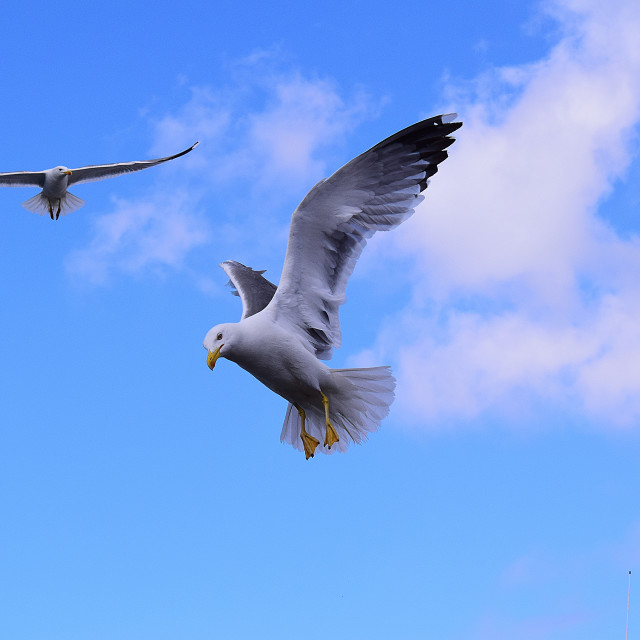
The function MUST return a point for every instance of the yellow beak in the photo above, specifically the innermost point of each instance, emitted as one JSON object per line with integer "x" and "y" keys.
{"x": 68, "y": 173}
{"x": 213, "y": 356}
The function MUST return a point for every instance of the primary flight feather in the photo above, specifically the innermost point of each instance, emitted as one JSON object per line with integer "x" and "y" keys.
{"x": 55, "y": 182}
{"x": 285, "y": 332}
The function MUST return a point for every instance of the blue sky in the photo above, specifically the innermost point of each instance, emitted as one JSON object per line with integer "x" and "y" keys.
{"x": 143, "y": 496}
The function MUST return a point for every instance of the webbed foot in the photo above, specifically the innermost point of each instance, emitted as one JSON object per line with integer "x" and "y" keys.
{"x": 331, "y": 436}
{"x": 309, "y": 443}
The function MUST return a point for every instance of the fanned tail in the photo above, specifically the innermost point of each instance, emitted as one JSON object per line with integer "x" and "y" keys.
{"x": 40, "y": 204}
{"x": 355, "y": 411}
{"x": 70, "y": 203}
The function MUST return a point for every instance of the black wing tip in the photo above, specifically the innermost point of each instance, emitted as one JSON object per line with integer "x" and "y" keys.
{"x": 182, "y": 153}
{"x": 191, "y": 148}
{"x": 435, "y": 128}
{"x": 440, "y": 126}
{"x": 421, "y": 135}
{"x": 448, "y": 120}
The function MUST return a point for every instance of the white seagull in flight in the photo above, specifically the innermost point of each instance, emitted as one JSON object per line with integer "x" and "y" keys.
{"x": 55, "y": 182}
{"x": 285, "y": 331}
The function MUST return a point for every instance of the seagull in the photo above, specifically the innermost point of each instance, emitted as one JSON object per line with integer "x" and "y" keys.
{"x": 286, "y": 331}
{"x": 56, "y": 181}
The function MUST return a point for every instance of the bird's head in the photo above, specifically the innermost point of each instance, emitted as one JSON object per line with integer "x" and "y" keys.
{"x": 221, "y": 336}
{"x": 58, "y": 176}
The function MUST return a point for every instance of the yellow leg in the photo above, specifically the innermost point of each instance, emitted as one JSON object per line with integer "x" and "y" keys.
{"x": 308, "y": 442}
{"x": 331, "y": 437}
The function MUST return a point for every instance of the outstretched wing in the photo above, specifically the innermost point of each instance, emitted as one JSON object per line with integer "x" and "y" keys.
{"x": 374, "y": 192}
{"x": 254, "y": 289}
{"x": 22, "y": 179}
{"x": 102, "y": 171}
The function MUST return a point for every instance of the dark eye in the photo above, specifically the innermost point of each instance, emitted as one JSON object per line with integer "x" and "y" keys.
{"x": 219, "y": 336}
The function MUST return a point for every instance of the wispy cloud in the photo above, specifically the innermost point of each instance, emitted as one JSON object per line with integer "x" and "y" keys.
{"x": 535, "y": 294}
{"x": 262, "y": 134}
{"x": 140, "y": 234}
{"x": 305, "y": 116}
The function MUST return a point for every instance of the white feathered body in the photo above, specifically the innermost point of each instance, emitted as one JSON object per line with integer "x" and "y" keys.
{"x": 56, "y": 182}
{"x": 54, "y": 192}
{"x": 359, "y": 399}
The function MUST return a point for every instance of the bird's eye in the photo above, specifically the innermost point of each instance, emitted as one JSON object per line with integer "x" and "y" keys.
{"x": 219, "y": 336}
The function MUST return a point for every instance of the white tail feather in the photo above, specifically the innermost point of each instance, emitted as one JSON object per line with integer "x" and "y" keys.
{"x": 40, "y": 204}
{"x": 355, "y": 411}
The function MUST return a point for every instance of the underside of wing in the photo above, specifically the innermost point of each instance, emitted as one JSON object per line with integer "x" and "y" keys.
{"x": 103, "y": 171}
{"x": 254, "y": 289}
{"x": 376, "y": 191}
{"x": 22, "y": 179}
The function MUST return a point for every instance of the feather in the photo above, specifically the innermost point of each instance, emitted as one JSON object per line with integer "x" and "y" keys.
{"x": 357, "y": 410}
{"x": 376, "y": 191}
{"x": 254, "y": 290}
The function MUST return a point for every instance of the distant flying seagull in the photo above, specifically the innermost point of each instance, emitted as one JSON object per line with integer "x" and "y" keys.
{"x": 56, "y": 181}
{"x": 285, "y": 330}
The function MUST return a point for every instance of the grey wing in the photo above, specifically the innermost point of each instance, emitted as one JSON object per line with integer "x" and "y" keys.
{"x": 374, "y": 192}
{"x": 103, "y": 171}
{"x": 22, "y": 179}
{"x": 254, "y": 289}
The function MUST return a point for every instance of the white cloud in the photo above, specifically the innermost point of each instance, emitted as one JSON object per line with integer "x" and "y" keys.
{"x": 157, "y": 232}
{"x": 264, "y": 131}
{"x": 540, "y": 297}
{"x": 204, "y": 117}
{"x": 305, "y": 116}
{"x": 474, "y": 363}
